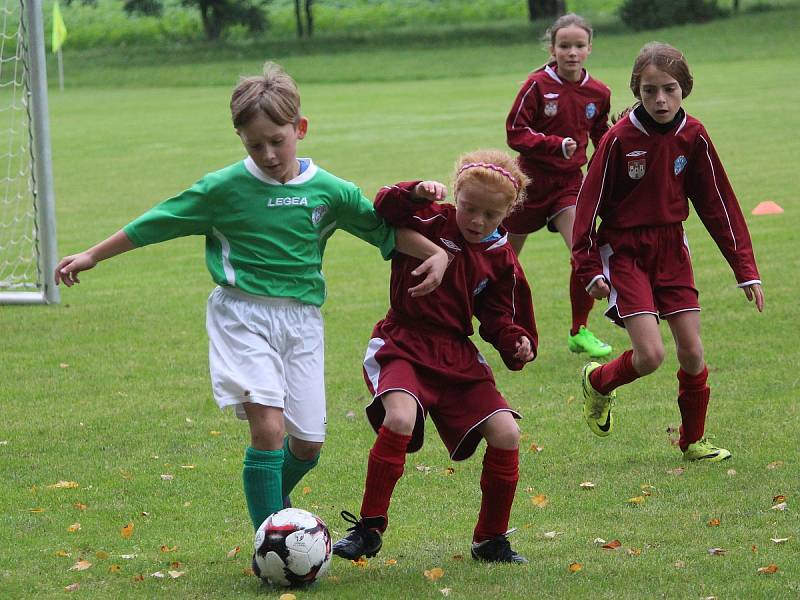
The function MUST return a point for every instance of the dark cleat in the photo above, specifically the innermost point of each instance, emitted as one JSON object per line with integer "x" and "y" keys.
{"x": 364, "y": 538}
{"x": 497, "y": 549}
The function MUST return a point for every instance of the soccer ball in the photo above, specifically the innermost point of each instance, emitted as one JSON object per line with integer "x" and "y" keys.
{"x": 293, "y": 548}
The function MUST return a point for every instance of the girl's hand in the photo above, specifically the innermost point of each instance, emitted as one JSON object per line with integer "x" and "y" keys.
{"x": 433, "y": 268}
{"x": 430, "y": 190}
{"x": 570, "y": 146}
{"x": 524, "y": 351}
{"x": 67, "y": 270}
{"x": 599, "y": 289}
{"x": 754, "y": 291}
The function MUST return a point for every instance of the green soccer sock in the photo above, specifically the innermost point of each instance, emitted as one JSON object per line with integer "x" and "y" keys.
{"x": 294, "y": 469}
{"x": 262, "y": 483}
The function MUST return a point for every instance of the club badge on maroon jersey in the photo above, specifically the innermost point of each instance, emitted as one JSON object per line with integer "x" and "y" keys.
{"x": 591, "y": 110}
{"x": 551, "y": 108}
{"x": 680, "y": 164}
{"x": 481, "y": 286}
{"x": 637, "y": 164}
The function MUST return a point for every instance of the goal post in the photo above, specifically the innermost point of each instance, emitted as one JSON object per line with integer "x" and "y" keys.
{"x": 27, "y": 205}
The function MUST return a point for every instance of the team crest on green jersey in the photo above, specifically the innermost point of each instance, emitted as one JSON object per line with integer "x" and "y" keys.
{"x": 318, "y": 213}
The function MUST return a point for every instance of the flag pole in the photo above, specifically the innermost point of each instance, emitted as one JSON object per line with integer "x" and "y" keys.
{"x": 60, "y": 71}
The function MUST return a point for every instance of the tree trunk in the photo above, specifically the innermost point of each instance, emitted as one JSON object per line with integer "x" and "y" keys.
{"x": 541, "y": 9}
{"x": 298, "y": 19}
{"x": 309, "y": 18}
{"x": 735, "y": 5}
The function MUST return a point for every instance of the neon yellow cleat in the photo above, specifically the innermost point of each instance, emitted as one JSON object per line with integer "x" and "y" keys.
{"x": 597, "y": 406}
{"x": 586, "y": 341}
{"x": 705, "y": 451}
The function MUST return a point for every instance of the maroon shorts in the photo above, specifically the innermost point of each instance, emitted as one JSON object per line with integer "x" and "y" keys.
{"x": 548, "y": 195}
{"x": 649, "y": 271}
{"x": 445, "y": 374}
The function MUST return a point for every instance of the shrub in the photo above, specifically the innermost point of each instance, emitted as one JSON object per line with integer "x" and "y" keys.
{"x": 646, "y": 14}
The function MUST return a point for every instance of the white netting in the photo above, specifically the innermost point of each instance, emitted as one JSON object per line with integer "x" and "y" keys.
{"x": 19, "y": 265}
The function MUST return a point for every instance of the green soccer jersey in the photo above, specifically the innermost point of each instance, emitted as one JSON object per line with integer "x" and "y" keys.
{"x": 265, "y": 237}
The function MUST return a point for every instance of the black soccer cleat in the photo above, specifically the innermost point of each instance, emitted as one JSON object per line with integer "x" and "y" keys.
{"x": 364, "y": 538}
{"x": 497, "y": 549}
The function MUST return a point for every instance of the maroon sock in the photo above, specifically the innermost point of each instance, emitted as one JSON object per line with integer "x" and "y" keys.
{"x": 498, "y": 484}
{"x": 581, "y": 302}
{"x": 386, "y": 461}
{"x": 611, "y": 375}
{"x": 693, "y": 395}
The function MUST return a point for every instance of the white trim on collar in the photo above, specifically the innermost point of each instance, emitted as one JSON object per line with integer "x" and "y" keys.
{"x": 253, "y": 169}
{"x": 637, "y": 123}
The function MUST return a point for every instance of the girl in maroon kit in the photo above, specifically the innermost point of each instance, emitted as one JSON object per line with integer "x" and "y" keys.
{"x": 641, "y": 176}
{"x": 557, "y": 110}
{"x": 420, "y": 359}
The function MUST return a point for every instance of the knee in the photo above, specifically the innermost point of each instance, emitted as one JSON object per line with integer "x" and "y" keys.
{"x": 503, "y": 433}
{"x": 266, "y": 437}
{"x": 401, "y": 422}
{"x": 304, "y": 450}
{"x": 646, "y": 360}
{"x": 691, "y": 358}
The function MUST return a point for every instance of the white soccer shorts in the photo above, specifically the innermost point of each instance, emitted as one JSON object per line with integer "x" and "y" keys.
{"x": 269, "y": 351}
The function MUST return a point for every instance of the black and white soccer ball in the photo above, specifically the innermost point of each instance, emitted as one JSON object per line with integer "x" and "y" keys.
{"x": 293, "y": 548}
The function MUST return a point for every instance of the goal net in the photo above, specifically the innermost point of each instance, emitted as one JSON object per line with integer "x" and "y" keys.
{"x": 27, "y": 224}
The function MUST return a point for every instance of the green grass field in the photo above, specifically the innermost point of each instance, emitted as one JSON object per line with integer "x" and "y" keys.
{"x": 110, "y": 389}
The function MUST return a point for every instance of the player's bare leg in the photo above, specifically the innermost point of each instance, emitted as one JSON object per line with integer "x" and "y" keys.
{"x": 517, "y": 241}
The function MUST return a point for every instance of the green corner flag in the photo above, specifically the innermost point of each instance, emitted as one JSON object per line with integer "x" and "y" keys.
{"x": 59, "y": 29}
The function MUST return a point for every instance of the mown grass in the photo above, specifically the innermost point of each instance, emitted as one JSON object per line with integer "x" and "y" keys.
{"x": 110, "y": 390}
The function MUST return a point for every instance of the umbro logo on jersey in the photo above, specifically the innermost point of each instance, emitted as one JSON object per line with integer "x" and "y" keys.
{"x": 288, "y": 201}
{"x": 451, "y": 245}
{"x": 636, "y": 153}
{"x": 550, "y": 96}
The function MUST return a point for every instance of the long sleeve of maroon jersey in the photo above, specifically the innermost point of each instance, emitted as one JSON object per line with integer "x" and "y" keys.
{"x": 716, "y": 205}
{"x": 520, "y": 134}
{"x": 396, "y": 203}
{"x": 595, "y": 188}
{"x": 505, "y": 311}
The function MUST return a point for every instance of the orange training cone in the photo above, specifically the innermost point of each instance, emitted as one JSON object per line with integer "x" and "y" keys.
{"x": 768, "y": 207}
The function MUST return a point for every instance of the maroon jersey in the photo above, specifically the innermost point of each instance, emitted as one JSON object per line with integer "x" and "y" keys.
{"x": 640, "y": 177}
{"x": 549, "y": 109}
{"x": 483, "y": 279}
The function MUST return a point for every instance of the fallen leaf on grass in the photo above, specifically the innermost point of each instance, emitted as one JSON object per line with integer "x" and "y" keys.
{"x": 248, "y": 572}
{"x": 114, "y": 569}
{"x": 390, "y": 562}
{"x": 713, "y": 523}
{"x": 62, "y": 553}
{"x": 63, "y": 365}
{"x": 535, "y": 448}
{"x": 126, "y": 531}
{"x": 306, "y": 490}
{"x": 676, "y": 471}
{"x": 361, "y": 562}
{"x": 458, "y": 557}
{"x": 127, "y": 556}
{"x": 779, "y": 540}
{"x": 101, "y": 554}
{"x": 164, "y": 548}
{"x": 679, "y": 564}
{"x": 423, "y": 468}
{"x": 753, "y": 549}
{"x": 612, "y": 545}
{"x": 775, "y": 464}
{"x": 74, "y": 527}
{"x": 176, "y": 574}
{"x": 551, "y": 535}
{"x": 80, "y": 506}
{"x": 167, "y": 477}
{"x": 233, "y": 552}
{"x": 158, "y": 575}
{"x": 778, "y": 498}
{"x": 781, "y": 506}
{"x": 634, "y": 551}
{"x": 599, "y": 541}
{"x": 635, "y": 500}
{"x": 215, "y": 433}
{"x": 187, "y": 467}
{"x": 434, "y": 574}
{"x": 81, "y": 565}
{"x": 540, "y": 501}
{"x": 72, "y": 587}
{"x": 647, "y": 489}
{"x": 716, "y": 551}
{"x": 587, "y": 485}
{"x": 350, "y": 415}
{"x": 445, "y": 591}
{"x": 176, "y": 564}
{"x": 37, "y": 510}
{"x": 138, "y": 577}
{"x": 63, "y": 485}
{"x": 731, "y": 472}
{"x": 287, "y": 597}
{"x": 449, "y": 471}
{"x": 770, "y": 568}
{"x": 575, "y": 567}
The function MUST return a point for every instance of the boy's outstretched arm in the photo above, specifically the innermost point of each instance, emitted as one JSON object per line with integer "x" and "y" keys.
{"x": 68, "y": 268}
{"x": 434, "y": 259}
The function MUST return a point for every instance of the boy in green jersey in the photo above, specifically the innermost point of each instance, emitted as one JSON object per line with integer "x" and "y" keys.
{"x": 266, "y": 220}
